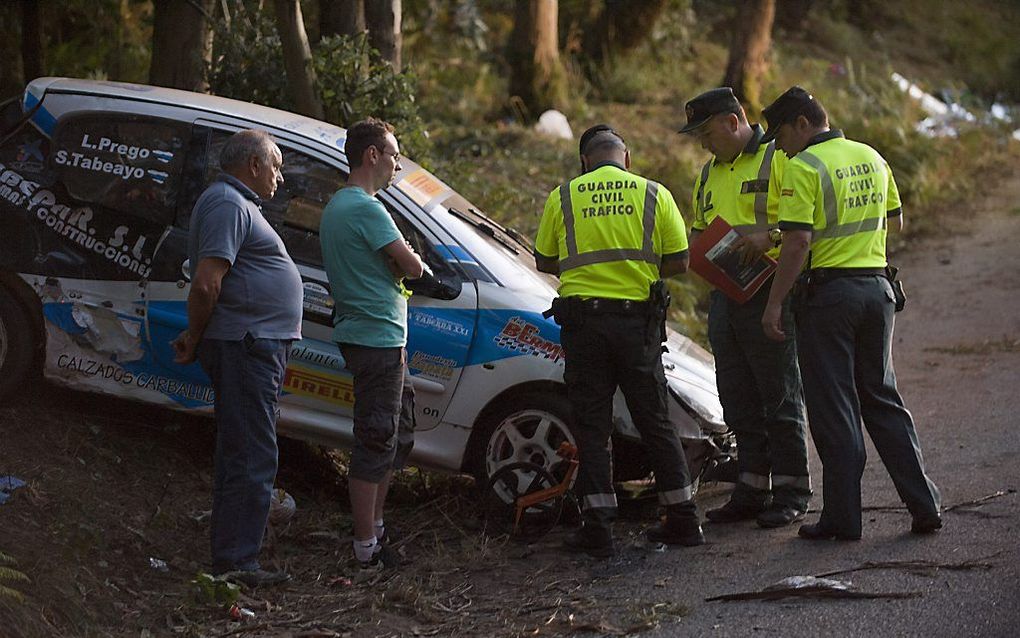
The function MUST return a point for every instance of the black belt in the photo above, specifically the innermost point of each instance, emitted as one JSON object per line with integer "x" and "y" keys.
{"x": 825, "y": 275}
{"x": 621, "y": 306}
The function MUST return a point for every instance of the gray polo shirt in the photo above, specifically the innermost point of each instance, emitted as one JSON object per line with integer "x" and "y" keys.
{"x": 261, "y": 294}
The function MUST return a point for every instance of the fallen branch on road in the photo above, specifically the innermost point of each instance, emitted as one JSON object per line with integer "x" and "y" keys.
{"x": 922, "y": 567}
{"x": 809, "y": 587}
{"x": 979, "y": 501}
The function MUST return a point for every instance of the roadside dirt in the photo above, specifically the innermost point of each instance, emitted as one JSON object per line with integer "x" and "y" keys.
{"x": 112, "y": 485}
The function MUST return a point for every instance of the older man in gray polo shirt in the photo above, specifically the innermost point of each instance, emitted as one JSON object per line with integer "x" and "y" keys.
{"x": 244, "y": 309}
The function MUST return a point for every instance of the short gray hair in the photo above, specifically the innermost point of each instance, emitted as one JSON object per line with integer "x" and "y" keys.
{"x": 243, "y": 144}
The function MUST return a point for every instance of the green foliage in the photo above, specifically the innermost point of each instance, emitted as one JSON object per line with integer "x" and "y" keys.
{"x": 355, "y": 83}
{"x": 9, "y": 575}
{"x": 248, "y": 61}
{"x": 210, "y": 590}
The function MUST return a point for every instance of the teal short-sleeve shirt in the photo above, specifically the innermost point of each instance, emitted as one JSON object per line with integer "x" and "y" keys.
{"x": 371, "y": 309}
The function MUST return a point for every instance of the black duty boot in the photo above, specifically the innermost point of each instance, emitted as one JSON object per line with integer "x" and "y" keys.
{"x": 592, "y": 540}
{"x": 677, "y": 531}
{"x": 733, "y": 512}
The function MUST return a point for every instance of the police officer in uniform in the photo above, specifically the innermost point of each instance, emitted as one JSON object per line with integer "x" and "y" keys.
{"x": 758, "y": 378}
{"x": 610, "y": 235}
{"x": 838, "y": 198}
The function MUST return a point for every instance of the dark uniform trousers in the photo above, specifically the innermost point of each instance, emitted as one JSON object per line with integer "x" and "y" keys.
{"x": 760, "y": 390}
{"x": 844, "y": 339}
{"x": 605, "y": 351}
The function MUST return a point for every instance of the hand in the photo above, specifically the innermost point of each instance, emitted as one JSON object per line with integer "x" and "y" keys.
{"x": 772, "y": 322}
{"x": 752, "y": 247}
{"x": 184, "y": 348}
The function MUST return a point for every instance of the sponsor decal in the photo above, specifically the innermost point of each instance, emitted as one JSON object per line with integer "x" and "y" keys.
{"x": 105, "y": 370}
{"x": 303, "y": 353}
{"x": 123, "y": 248}
{"x": 317, "y": 299}
{"x": 421, "y": 186}
{"x": 440, "y": 324}
{"x": 304, "y": 382}
{"x": 520, "y": 336}
{"x": 432, "y": 365}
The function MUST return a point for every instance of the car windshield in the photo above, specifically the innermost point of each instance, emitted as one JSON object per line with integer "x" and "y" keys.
{"x": 486, "y": 245}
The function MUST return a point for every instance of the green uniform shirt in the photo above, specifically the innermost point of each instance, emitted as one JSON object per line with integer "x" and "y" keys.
{"x": 842, "y": 191}
{"x": 744, "y": 192}
{"x": 610, "y": 233}
{"x": 371, "y": 309}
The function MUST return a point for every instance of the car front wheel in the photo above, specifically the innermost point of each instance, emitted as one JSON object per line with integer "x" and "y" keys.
{"x": 527, "y": 429}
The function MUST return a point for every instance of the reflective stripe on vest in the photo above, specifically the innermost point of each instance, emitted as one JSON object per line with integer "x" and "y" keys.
{"x": 701, "y": 187}
{"x": 833, "y": 228}
{"x": 574, "y": 259}
{"x": 761, "y": 198}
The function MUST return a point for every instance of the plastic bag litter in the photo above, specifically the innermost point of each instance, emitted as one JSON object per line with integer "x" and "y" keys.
{"x": 810, "y": 582}
{"x": 7, "y": 486}
{"x": 281, "y": 507}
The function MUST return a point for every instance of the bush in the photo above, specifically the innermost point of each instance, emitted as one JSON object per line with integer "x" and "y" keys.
{"x": 353, "y": 82}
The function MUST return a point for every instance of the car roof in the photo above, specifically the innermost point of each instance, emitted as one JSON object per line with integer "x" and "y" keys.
{"x": 268, "y": 116}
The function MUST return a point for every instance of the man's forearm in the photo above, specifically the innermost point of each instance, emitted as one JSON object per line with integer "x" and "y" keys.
{"x": 200, "y": 309}
{"x": 791, "y": 259}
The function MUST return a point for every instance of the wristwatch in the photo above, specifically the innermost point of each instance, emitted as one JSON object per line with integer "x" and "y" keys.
{"x": 775, "y": 236}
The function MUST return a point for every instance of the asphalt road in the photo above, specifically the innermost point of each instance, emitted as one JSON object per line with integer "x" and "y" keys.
{"x": 957, "y": 355}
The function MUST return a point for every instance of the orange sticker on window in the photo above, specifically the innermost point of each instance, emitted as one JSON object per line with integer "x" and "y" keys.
{"x": 422, "y": 186}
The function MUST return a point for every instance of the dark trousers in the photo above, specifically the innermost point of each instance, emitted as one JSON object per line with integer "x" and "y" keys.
{"x": 844, "y": 339}
{"x": 605, "y": 352}
{"x": 246, "y": 376}
{"x": 383, "y": 410}
{"x": 760, "y": 390}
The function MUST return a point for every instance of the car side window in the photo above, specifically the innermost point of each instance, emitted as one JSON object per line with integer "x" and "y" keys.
{"x": 122, "y": 162}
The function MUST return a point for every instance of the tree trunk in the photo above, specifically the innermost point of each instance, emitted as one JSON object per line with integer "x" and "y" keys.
{"x": 297, "y": 58}
{"x": 537, "y": 78}
{"x": 31, "y": 41}
{"x": 341, "y": 17}
{"x": 181, "y": 44}
{"x": 383, "y": 20}
{"x": 621, "y": 25}
{"x": 752, "y": 38}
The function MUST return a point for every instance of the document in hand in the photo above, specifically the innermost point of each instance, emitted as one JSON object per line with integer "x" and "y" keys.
{"x": 714, "y": 257}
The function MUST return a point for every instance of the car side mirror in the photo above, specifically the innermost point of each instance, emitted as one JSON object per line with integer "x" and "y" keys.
{"x": 431, "y": 286}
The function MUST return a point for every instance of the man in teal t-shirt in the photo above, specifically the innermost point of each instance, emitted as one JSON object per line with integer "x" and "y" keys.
{"x": 366, "y": 258}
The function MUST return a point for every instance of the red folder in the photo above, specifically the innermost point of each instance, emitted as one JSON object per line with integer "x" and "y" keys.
{"x": 714, "y": 258}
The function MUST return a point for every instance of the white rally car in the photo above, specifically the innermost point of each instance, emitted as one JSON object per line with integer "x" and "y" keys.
{"x": 97, "y": 184}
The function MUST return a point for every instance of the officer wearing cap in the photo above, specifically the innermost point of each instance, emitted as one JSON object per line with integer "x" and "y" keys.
{"x": 610, "y": 235}
{"x": 838, "y": 197}
{"x": 758, "y": 378}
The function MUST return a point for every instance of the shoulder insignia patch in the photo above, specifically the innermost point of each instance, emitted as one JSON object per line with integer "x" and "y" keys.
{"x": 787, "y": 192}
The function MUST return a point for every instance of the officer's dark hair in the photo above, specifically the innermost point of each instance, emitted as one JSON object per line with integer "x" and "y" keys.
{"x": 370, "y": 132}
{"x": 814, "y": 113}
{"x": 599, "y": 137}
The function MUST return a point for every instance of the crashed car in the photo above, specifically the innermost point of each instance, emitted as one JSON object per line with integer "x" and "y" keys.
{"x": 97, "y": 183}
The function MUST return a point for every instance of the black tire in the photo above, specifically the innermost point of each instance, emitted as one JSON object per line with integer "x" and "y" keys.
{"x": 17, "y": 344}
{"x": 510, "y": 482}
{"x": 491, "y": 448}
